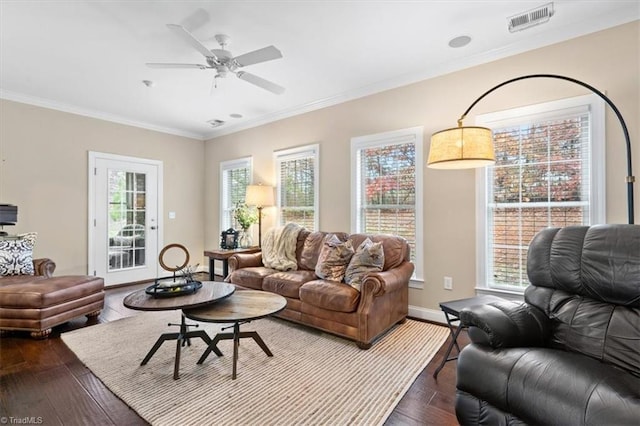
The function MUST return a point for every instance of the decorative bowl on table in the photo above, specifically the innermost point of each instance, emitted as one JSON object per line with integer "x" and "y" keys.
{"x": 172, "y": 287}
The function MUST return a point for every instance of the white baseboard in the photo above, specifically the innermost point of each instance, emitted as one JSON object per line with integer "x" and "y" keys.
{"x": 427, "y": 314}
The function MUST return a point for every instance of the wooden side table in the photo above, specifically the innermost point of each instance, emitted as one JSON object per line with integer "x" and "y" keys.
{"x": 451, "y": 311}
{"x": 224, "y": 255}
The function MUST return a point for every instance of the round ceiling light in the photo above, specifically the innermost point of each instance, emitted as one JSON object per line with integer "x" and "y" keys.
{"x": 459, "y": 41}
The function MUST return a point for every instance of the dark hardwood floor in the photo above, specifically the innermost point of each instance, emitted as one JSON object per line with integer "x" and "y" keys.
{"x": 42, "y": 382}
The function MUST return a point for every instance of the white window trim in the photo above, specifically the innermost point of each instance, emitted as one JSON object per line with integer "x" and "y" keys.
{"x": 389, "y": 138}
{"x": 238, "y": 163}
{"x": 289, "y": 154}
{"x": 592, "y": 103}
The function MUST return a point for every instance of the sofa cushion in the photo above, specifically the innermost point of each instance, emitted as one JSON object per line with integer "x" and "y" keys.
{"x": 288, "y": 283}
{"x": 604, "y": 331}
{"x": 16, "y": 255}
{"x": 251, "y": 277}
{"x": 549, "y": 386}
{"x": 308, "y": 258}
{"x": 330, "y": 295}
{"x": 334, "y": 258}
{"x": 369, "y": 257}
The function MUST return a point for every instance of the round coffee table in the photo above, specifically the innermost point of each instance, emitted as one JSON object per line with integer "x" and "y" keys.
{"x": 241, "y": 308}
{"x": 210, "y": 292}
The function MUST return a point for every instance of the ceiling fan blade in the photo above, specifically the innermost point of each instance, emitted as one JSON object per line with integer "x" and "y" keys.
{"x": 182, "y": 32}
{"x": 157, "y": 65}
{"x": 260, "y": 82}
{"x": 261, "y": 55}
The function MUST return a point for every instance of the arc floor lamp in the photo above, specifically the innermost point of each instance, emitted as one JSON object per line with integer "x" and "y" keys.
{"x": 472, "y": 146}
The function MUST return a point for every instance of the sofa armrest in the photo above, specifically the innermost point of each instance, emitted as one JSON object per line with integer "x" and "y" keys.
{"x": 388, "y": 281}
{"x": 44, "y": 267}
{"x": 506, "y": 324}
{"x": 244, "y": 260}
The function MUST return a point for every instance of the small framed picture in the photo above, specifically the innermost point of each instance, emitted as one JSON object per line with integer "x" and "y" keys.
{"x": 229, "y": 239}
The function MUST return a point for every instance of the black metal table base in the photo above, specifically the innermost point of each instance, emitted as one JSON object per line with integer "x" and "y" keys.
{"x": 182, "y": 338}
{"x": 451, "y": 311}
{"x": 235, "y": 336}
{"x": 452, "y": 343}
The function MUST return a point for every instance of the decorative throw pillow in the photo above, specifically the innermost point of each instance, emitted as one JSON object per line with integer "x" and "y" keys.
{"x": 369, "y": 257}
{"x": 334, "y": 258}
{"x": 16, "y": 255}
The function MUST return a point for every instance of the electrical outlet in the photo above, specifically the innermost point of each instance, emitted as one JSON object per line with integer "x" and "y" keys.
{"x": 448, "y": 283}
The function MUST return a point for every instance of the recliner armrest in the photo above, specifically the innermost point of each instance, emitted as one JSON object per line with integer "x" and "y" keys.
{"x": 506, "y": 324}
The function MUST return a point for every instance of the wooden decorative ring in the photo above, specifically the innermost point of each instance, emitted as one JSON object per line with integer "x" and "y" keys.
{"x": 177, "y": 268}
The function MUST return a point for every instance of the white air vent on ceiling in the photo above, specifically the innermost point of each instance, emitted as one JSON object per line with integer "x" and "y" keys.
{"x": 528, "y": 19}
{"x": 215, "y": 123}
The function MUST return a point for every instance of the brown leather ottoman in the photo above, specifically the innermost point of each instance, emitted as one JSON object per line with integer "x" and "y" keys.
{"x": 37, "y": 303}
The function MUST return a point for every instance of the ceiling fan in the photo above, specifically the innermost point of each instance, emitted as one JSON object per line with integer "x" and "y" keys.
{"x": 224, "y": 62}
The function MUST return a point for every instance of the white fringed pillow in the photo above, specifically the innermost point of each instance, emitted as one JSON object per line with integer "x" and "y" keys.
{"x": 16, "y": 255}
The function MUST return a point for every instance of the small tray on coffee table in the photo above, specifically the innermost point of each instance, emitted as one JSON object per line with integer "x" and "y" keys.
{"x": 172, "y": 287}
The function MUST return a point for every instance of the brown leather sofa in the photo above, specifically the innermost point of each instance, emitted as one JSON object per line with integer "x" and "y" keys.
{"x": 36, "y": 303}
{"x": 334, "y": 307}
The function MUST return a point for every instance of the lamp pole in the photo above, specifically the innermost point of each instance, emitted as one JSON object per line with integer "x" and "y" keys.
{"x": 630, "y": 179}
{"x": 259, "y": 226}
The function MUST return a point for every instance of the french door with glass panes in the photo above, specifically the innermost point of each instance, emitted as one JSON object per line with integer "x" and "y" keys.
{"x": 123, "y": 222}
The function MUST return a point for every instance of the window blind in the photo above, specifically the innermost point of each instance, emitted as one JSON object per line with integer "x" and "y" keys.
{"x": 297, "y": 187}
{"x": 541, "y": 178}
{"x": 386, "y": 190}
{"x": 236, "y": 175}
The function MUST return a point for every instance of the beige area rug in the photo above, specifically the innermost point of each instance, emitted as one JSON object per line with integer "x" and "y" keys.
{"x": 313, "y": 378}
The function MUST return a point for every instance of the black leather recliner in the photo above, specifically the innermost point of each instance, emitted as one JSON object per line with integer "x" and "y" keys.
{"x": 569, "y": 355}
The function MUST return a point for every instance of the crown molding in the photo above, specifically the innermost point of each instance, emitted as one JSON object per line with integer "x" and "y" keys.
{"x": 72, "y": 109}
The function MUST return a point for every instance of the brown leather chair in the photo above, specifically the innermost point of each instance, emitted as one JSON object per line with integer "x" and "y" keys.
{"x": 36, "y": 303}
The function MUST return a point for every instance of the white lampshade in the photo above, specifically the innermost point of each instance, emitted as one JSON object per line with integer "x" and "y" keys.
{"x": 461, "y": 148}
{"x": 259, "y": 195}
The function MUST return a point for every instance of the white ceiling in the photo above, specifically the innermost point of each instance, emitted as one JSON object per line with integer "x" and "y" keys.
{"x": 88, "y": 57}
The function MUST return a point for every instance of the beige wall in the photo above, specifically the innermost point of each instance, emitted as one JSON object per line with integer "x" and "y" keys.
{"x": 608, "y": 60}
{"x": 43, "y": 156}
{"x": 43, "y": 170}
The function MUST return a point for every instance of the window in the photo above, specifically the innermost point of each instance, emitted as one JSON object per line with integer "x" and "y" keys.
{"x": 235, "y": 175}
{"x": 386, "y": 174}
{"x": 297, "y": 186}
{"x": 549, "y": 172}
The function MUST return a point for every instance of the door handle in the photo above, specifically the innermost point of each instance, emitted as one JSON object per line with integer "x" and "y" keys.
{"x": 153, "y": 228}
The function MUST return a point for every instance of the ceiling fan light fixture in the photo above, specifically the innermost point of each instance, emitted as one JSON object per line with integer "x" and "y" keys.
{"x": 223, "y": 61}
